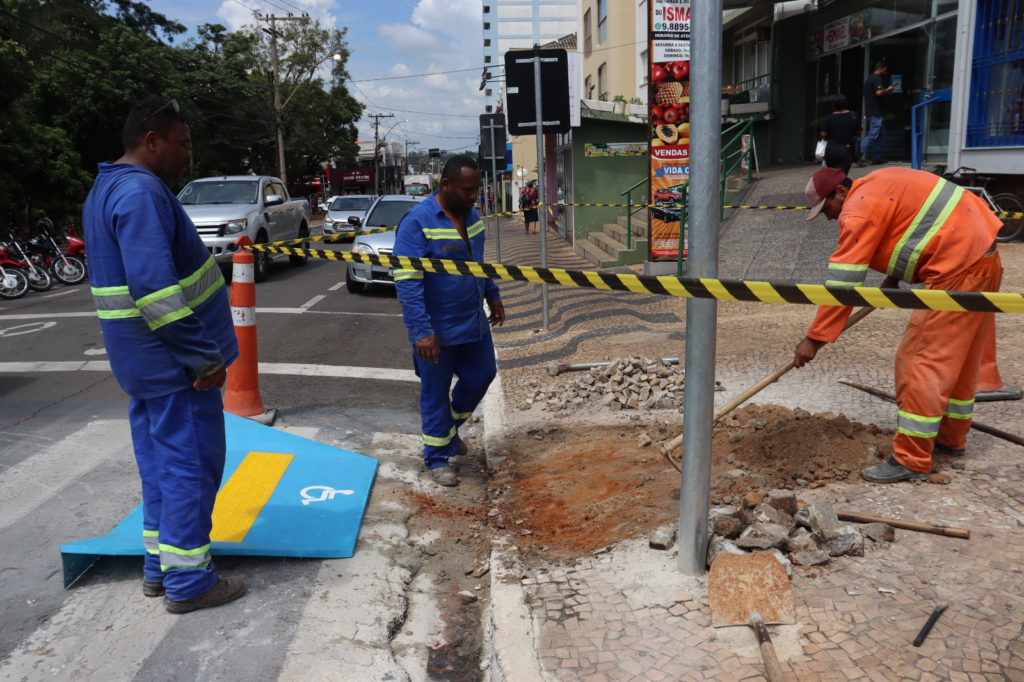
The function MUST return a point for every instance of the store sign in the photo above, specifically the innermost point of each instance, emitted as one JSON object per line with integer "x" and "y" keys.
{"x": 836, "y": 35}
{"x": 669, "y": 116}
{"x": 615, "y": 149}
{"x": 361, "y": 175}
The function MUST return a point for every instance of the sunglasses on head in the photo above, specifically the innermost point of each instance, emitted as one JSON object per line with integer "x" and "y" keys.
{"x": 171, "y": 104}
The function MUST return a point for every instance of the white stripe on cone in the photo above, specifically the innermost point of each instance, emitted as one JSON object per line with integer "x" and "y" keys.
{"x": 243, "y": 316}
{"x": 242, "y": 272}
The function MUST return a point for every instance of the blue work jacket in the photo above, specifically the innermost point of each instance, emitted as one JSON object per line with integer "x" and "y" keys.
{"x": 451, "y": 306}
{"x": 159, "y": 294}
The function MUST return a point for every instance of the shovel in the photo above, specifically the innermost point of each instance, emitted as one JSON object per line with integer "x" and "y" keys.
{"x": 752, "y": 589}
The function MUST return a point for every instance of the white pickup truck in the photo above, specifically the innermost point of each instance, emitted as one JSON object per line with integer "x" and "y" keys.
{"x": 226, "y": 207}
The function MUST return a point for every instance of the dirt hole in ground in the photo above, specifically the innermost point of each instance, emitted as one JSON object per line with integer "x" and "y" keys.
{"x": 581, "y": 488}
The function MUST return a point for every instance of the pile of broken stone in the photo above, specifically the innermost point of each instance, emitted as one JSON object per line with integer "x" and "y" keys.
{"x": 806, "y": 535}
{"x": 633, "y": 383}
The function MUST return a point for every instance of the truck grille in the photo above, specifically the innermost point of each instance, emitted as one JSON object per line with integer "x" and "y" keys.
{"x": 211, "y": 230}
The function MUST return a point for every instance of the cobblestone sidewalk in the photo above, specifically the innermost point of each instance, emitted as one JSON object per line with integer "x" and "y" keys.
{"x": 591, "y": 622}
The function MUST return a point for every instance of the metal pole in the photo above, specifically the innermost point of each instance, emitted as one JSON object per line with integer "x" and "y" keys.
{"x": 376, "y": 152}
{"x": 494, "y": 176}
{"x": 542, "y": 192}
{"x": 701, "y": 315}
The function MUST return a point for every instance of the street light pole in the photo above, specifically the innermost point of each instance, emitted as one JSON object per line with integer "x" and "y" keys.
{"x": 376, "y": 148}
{"x": 701, "y": 314}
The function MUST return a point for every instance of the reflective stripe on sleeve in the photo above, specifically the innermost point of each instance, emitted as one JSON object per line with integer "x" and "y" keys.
{"x": 163, "y": 307}
{"x": 960, "y": 409}
{"x": 202, "y": 283}
{"x": 916, "y": 425}
{"x": 475, "y": 229}
{"x": 846, "y": 274}
{"x": 408, "y": 274}
{"x": 113, "y": 303}
{"x": 439, "y": 442}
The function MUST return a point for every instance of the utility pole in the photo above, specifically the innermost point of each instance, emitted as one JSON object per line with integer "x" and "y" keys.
{"x": 279, "y": 129}
{"x": 376, "y": 148}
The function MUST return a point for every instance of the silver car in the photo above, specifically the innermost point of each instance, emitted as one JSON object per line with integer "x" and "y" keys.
{"x": 386, "y": 211}
{"x": 342, "y": 208}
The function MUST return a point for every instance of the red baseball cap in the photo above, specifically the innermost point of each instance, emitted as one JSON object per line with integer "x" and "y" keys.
{"x": 821, "y": 184}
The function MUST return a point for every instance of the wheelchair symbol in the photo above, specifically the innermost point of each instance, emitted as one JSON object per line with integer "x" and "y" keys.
{"x": 326, "y": 493}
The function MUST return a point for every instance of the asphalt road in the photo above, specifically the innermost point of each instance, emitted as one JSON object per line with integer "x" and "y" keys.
{"x": 67, "y": 472}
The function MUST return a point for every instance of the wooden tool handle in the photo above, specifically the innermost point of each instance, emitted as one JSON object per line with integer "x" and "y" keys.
{"x": 759, "y": 386}
{"x": 934, "y": 528}
{"x": 773, "y": 671}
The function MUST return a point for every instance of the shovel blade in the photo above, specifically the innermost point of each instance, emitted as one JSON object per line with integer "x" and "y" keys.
{"x": 742, "y": 584}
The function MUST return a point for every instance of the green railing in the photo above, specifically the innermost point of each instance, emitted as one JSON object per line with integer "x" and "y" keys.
{"x": 742, "y": 128}
{"x": 628, "y": 193}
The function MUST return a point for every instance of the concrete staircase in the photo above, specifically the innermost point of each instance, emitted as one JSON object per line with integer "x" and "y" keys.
{"x": 607, "y": 248}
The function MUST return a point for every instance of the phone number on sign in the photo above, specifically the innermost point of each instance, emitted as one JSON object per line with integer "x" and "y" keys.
{"x": 672, "y": 26}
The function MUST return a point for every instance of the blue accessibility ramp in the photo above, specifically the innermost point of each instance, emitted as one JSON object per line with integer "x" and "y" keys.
{"x": 282, "y": 495}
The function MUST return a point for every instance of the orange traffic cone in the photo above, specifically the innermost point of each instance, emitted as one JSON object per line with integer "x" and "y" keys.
{"x": 242, "y": 396}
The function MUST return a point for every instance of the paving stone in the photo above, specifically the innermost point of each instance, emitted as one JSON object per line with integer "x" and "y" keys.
{"x": 664, "y": 537}
{"x": 879, "y": 532}
{"x": 762, "y": 536}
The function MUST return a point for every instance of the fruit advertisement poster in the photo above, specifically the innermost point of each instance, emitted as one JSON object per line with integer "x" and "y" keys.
{"x": 669, "y": 118}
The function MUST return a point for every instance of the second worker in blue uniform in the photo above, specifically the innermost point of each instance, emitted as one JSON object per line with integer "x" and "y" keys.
{"x": 448, "y": 326}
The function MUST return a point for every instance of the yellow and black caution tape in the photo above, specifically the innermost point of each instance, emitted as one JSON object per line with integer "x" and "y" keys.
{"x": 1000, "y": 214}
{"x": 724, "y": 290}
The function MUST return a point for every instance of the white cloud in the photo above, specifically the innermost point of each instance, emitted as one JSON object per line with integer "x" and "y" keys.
{"x": 237, "y": 16}
{"x": 409, "y": 38}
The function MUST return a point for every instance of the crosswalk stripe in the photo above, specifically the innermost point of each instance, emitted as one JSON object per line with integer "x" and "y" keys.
{"x": 33, "y": 481}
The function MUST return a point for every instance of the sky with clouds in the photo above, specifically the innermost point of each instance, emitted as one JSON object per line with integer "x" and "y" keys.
{"x": 388, "y": 39}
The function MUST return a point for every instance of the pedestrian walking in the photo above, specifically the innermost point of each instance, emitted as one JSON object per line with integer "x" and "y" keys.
{"x": 839, "y": 129}
{"x": 167, "y": 328}
{"x": 528, "y": 205}
{"x": 444, "y": 314}
{"x": 920, "y": 229}
{"x": 873, "y": 94}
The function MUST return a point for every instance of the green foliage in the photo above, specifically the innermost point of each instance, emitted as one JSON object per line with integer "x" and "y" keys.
{"x": 72, "y": 69}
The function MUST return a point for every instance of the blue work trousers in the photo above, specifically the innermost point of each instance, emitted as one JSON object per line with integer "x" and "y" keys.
{"x": 873, "y": 140}
{"x": 443, "y": 412}
{"x": 180, "y": 448}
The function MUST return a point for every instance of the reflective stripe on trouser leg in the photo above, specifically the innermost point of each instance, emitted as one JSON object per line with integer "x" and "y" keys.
{"x": 185, "y": 432}
{"x": 938, "y": 360}
{"x": 438, "y": 429}
{"x": 475, "y": 367}
{"x": 959, "y": 409}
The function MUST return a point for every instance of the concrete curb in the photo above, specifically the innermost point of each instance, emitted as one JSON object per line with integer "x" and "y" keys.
{"x": 511, "y": 630}
{"x": 493, "y": 408}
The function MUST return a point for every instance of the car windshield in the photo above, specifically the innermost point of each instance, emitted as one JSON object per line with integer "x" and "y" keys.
{"x": 351, "y": 204}
{"x": 417, "y": 189}
{"x": 389, "y": 213}
{"x": 228, "y": 192}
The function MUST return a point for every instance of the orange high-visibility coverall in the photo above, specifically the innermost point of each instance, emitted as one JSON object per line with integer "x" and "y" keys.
{"x": 989, "y": 378}
{"x": 920, "y": 228}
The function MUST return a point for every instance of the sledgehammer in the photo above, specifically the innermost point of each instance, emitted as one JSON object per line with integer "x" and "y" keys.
{"x": 671, "y": 445}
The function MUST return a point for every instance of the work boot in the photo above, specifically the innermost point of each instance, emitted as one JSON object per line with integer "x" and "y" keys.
{"x": 152, "y": 589}
{"x": 444, "y": 475}
{"x": 461, "y": 449}
{"x": 879, "y": 162}
{"x": 941, "y": 449}
{"x": 1007, "y": 392}
{"x": 891, "y": 471}
{"x": 863, "y": 163}
{"x": 224, "y": 591}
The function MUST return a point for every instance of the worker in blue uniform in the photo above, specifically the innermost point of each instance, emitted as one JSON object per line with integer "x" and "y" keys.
{"x": 168, "y": 331}
{"x": 448, "y": 328}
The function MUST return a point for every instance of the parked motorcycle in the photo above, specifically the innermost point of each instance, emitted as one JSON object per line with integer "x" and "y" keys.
{"x": 76, "y": 245}
{"x": 13, "y": 284}
{"x": 33, "y": 267}
{"x": 67, "y": 268}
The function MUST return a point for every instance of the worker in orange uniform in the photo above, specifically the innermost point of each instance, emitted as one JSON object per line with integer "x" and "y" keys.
{"x": 991, "y": 386}
{"x": 916, "y": 228}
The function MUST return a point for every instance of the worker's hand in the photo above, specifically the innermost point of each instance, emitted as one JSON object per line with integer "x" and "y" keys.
{"x": 215, "y": 380}
{"x": 806, "y": 350}
{"x": 429, "y": 349}
{"x": 497, "y": 317}
{"x": 891, "y": 282}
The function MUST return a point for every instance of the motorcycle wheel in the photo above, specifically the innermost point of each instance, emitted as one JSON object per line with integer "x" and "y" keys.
{"x": 38, "y": 279}
{"x": 14, "y": 285}
{"x": 72, "y": 272}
